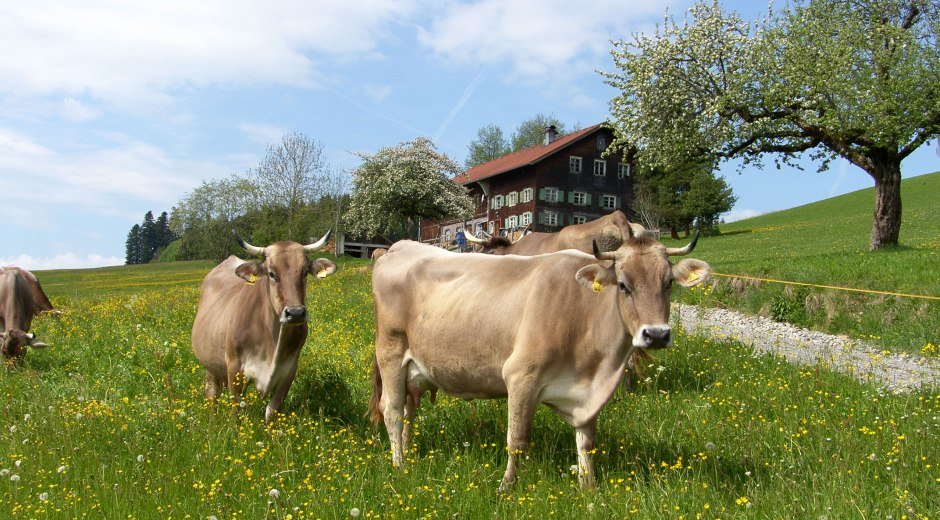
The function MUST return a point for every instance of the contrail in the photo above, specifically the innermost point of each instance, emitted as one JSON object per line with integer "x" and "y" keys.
{"x": 467, "y": 93}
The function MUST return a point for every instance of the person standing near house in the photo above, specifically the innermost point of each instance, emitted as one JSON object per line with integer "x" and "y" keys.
{"x": 461, "y": 241}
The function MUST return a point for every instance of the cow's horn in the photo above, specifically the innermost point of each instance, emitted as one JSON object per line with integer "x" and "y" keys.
{"x": 602, "y": 256}
{"x": 673, "y": 251}
{"x": 472, "y": 238}
{"x": 253, "y": 250}
{"x": 521, "y": 234}
{"x": 318, "y": 245}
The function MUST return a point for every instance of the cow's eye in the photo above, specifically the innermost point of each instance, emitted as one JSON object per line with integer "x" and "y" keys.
{"x": 623, "y": 287}
{"x": 272, "y": 275}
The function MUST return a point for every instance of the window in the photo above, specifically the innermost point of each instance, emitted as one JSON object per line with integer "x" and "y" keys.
{"x": 490, "y": 227}
{"x": 512, "y": 222}
{"x": 579, "y": 198}
{"x": 609, "y": 201}
{"x": 550, "y": 218}
{"x": 551, "y": 195}
{"x": 601, "y": 142}
{"x": 600, "y": 167}
{"x": 525, "y": 219}
{"x": 512, "y": 199}
{"x": 574, "y": 164}
{"x": 623, "y": 170}
{"x": 526, "y": 195}
{"x": 446, "y": 235}
{"x": 497, "y": 202}
{"x": 579, "y": 219}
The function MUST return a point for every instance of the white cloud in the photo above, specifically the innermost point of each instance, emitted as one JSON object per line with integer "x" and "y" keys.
{"x": 127, "y": 52}
{"x": 75, "y": 110}
{"x": 538, "y": 38}
{"x": 740, "y": 214}
{"x": 61, "y": 261}
{"x": 262, "y": 133}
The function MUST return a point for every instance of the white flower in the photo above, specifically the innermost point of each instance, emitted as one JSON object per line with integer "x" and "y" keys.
{"x": 17, "y": 463}
{"x": 4, "y": 472}
{"x": 466, "y": 444}
{"x": 574, "y": 468}
{"x": 61, "y": 469}
{"x": 78, "y": 416}
{"x": 43, "y": 496}
{"x": 242, "y": 404}
{"x": 274, "y": 494}
{"x": 13, "y": 429}
{"x": 354, "y": 512}
{"x": 27, "y": 417}
{"x": 140, "y": 458}
{"x": 14, "y": 477}
{"x": 709, "y": 446}
{"x": 748, "y": 473}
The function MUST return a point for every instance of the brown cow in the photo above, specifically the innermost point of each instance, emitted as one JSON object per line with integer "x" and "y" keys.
{"x": 21, "y": 298}
{"x": 379, "y": 251}
{"x": 579, "y": 320}
{"x": 252, "y": 319}
{"x": 609, "y": 231}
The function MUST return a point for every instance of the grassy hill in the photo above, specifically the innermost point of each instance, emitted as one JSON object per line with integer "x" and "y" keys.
{"x": 826, "y": 243}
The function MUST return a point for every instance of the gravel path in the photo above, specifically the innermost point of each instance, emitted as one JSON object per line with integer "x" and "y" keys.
{"x": 897, "y": 372}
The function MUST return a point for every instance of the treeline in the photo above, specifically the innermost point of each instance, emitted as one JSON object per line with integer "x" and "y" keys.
{"x": 146, "y": 240}
{"x": 290, "y": 195}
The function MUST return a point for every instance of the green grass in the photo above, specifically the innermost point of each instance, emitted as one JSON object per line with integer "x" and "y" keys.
{"x": 109, "y": 422}
{"x": 826, "y": 243}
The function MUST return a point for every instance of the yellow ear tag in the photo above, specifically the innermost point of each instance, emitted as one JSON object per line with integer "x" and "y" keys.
{"x": 596, "y": 286}
{"x": 693, "y": 276}
{"x": 322, "y": 273}
{"x": 251, "y": 279}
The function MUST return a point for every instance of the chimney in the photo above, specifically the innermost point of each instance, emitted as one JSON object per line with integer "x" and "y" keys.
{"x": 550, "y": 134}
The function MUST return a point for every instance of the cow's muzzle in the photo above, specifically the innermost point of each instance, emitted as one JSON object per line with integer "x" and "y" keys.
{"x": 653, "y": 337}
{"x": 294, "y": 314}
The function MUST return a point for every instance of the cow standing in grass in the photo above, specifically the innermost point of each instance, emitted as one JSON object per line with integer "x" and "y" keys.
{"x": 252, "y": 319}
{"x": 21, "y": 299}
{"x": 442, "y": 323}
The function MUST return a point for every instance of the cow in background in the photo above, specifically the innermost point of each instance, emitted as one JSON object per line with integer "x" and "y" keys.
{"x": 21, "y": 299}
{"x": 252, "y": 319}
{"x": 580, "y": 320}
{"x": 608, "y": 231}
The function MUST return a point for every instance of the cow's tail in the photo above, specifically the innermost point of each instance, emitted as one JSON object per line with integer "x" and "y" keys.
{"x": 375, "y": 407}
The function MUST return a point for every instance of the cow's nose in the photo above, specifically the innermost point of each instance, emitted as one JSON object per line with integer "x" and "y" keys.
{"x": 294, "y": 314}
{"x": 656, "y": 337}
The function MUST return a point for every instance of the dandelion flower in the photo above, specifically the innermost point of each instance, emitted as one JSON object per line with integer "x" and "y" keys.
{"x": 274, "y": 494}
{"x": 140, "y": 458}
{"x": 4, "y": 472}
{"x": 13, "y": 429}
{"x": 709, "y": 446}
{"x": 43, "y": 496}
{"x": 14, "y": 477}
{"x": 61, "y": 469}
{"x": 18, "y": 463}
{"x": 354, "y": 512}
{"x": 27, "y": 417}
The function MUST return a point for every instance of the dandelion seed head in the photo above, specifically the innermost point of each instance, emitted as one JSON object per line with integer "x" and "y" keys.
{"x": 18, "y": 463}
{"x": 61, "y": 469}
{"x": 14, "y": 477}
{"x": 140, "y": 458}
{"x": 43, "y": 496}
{"x": 709, "y": 446}
{"x": 274, "y": 494}
{"x": 354, "y": 512}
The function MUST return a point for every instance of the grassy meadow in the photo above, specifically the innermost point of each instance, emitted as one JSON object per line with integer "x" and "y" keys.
{"x": 109, "y": 422}
{"x": 826, "y": 243}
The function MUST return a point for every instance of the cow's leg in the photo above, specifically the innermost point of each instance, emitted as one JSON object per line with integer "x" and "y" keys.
{"x": 213, "y": 386}
{"x": 277, "y": 396}
{"x": 389, "y": 355}
{"x": 408, "y": 424}
{"x": 585, "y": 437}
{"x": 523, "y": 400}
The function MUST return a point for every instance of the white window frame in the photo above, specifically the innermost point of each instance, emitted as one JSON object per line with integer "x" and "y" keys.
{"x": 497, "y": 202}
{"x": 574, "y": 164}
{"x": 491, "y": 227}
{"x": 551, "y": 218}
{"x": 511, "y": 222}
{"x": 602, "y": 171}
{"x": 624, "y": 170}
{"x": 551, "y": 195}
{"x": 579, "y": 219}
{"x": 612, "y": 199}
{"x": 575, "y": 195}
{"x": 525, "y": 219}
{"x": 512, "y": 198}
{"x": 526, "y": 195}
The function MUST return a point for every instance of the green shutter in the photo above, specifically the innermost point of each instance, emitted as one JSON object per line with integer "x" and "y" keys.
{"x": 617, "y": 202}
{"x": 570, "y": 197}
{"x": 561, "y": 196}
{"x": 588, "y": 199}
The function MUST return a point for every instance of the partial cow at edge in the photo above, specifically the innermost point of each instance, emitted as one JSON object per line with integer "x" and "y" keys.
{"x": 583, "y": 316}
{"x": 21, "y": 299}
{"x": 252, "y": 319}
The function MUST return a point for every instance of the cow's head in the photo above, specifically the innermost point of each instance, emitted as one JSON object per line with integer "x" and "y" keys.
{"x": 15, "y": 342}
{"x": 494, "y": 245}
{"x": 643, "y": 276}
{"x": 285, "y": 268}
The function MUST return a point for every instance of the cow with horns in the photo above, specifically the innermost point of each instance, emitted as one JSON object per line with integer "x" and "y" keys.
{"x": 580, "y": 319}
{"x": 21, "y": 299}
{"x": 252, "y": 319}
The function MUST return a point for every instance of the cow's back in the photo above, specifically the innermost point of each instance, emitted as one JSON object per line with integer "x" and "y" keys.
{"x": 21, "y": 298}
{"x": 216, "y": 315}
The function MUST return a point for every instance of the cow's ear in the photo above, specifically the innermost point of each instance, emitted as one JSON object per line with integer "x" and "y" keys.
{"x": 321, "y": 267}
{"x": 36, "y": 344}
{"x": 691, "y": 272}
{"x": 250, "y": 271}
{"x": 595, "y": 276}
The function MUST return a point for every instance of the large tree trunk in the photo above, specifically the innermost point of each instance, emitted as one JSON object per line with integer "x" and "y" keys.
{"x": 886, "y": 226}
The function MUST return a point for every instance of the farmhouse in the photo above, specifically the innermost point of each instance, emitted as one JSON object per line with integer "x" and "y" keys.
{"x": 563, "y": 181}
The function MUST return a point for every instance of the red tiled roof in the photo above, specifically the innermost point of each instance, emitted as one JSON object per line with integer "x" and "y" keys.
{"x": 524, "y": 157}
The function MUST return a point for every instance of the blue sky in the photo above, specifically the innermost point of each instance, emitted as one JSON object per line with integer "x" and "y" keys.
{"x": 109, "y": 109}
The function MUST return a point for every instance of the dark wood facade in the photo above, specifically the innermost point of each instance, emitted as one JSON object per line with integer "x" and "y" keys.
{"x": 541, "y": 187}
